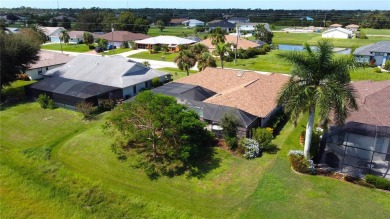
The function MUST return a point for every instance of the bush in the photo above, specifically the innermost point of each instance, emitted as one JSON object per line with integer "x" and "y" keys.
{"x": 232, "y": 142}
{"x": 250, "y": 147}
{"x": 378, "y": 182}
{"x": 387, "y": 65}
{"x": 300, "y": 164}
{"x": 156, "y": 48}
{"x": 125, "y": 44}
{"x": 106, "y": 104}
{"x": 85, "y": 108}
{"x": 264, "y": 137}
{"x": 46, "y": 102}
{"x": 357, "y": 181}
{"x": 23, "y": 77}
{"x": 156, "y": 82}
{"x": 377, "y": 70}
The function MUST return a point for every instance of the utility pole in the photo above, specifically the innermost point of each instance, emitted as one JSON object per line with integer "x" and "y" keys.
{"x": 235, "y": 51}
{"x": 112, "y": 35}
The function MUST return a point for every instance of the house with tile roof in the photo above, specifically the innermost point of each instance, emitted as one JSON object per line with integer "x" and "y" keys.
{"x": 193, "y": 23}
{"x": 235, "y": 20}
{"x": 337, "y": 33}
{"x": 362, "y": 145}
{"x": 352, "y": 27}
{"x": 53, "y": 33}
{"x": 92, "y": 78}
{"x": 332, "y": 26}
{"x": 242, "y": 43}
{"x": 250, "y": 96}
{"x": 250, "y": 27}
{"x": 177, "y": 21}
{"x": 47, "y": 60}
{"x": 172, "y": 42}
{"x": 224, "y": 24}
{"x": 76, "y": 37}
{"x": 116, "y": 38}
{"x": 376, "y": 53}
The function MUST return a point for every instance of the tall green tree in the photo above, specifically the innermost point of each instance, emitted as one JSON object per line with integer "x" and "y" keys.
{"x": 88, "y": 38}
{"x": 217, "y": 36}
{"x": 109, "y": 21}
{"x": 160, "y": 25}
{"x": 185, "y": 61}
{"x": 90, "y": 20}
{"x": 319, "y": 81}
{"x": 221, "y": 49}
{"x": 263, "y": 34}
{"x": 17, "y": 52}
{"x": 198, "y": 49}
{"x": 206, "y": 60}
{"x": 41, "y": 35}
{"x": 167, "y": 135}
{"x": 64, "y": 36}
{"x": 129, "y": 22}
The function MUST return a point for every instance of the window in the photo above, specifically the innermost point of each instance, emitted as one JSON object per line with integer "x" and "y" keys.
{"x": 146, "y": 84}
{"x": 47, "y": 68}
{"x": 134, "y": 89}
{"x": 40, "y": 71}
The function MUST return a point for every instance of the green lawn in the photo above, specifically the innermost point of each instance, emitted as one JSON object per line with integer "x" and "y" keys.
{"x": 55, "y": 165}
{"x": 16, "y": 89}
{"x": 313, "y": 38}
{"x": 67, "y": 47}
{"x": 179, "y": 31}
{"x": 176, "y": 73}
{"x": 116, "y": 51}
{"x": 376, "y": 31}
{"x": 169, "y": 57}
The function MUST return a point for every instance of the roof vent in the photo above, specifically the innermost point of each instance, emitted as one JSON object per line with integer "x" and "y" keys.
{"x": 240, "y": 73}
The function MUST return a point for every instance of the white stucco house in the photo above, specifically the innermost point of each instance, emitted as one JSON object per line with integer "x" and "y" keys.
{"x": 352, "y": 27}
{"x": 47, "y": 61}
{"x": 53, "y": 33}
{"x": 76, "y": 37}
{"x": 377, "y": 53}
{"x": 250, "y": 27}
{"x": 193, "y": 23}
{"x": 337, "y": 33}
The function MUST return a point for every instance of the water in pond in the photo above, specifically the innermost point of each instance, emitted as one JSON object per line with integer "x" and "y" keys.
{"x": 286, "y": 47}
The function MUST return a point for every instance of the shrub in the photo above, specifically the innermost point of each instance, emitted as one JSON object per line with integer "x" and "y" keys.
{"x": 46, "y": 102}
{"x": 250, "y": 147}
{"x": 387, "y": 65}
{"x": 106, "y": 104}
{"x": 232, "y": 142}
{"x": 229, "y": 124}
{"x": 264, "y": 137}
{"x": 23, "y": 77}
{"x": 377, "y": 70}
{"x": 85, "y": 108}
{"x": 378, "y": 182}
{"x": 125, "y": 44}
{"x": 357, "y": 181}
{"x": 156, "y": 48}
{"x": 299, "y": 163}
{"x": 156, "y": 82}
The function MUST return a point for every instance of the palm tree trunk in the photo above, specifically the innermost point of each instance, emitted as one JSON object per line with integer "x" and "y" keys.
{"x": 221, "y": 57}
{"x": 188, "y": 72}
{"x": 309, "y": 131}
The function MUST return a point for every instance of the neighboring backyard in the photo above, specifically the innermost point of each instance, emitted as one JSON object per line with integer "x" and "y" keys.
{"x": 56, "y": 165}
{"x": 160, "y": 56}
{"x": 66, "y": 47}
{"x": 176, "y": 73}
{"x": 180, "y": 31}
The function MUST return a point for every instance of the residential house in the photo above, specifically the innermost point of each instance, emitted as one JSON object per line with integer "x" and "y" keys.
{"x": 47, "y": 61}
{"x": 172, "y": 42}
{"x": 235, "y": 20}
{"x": 177, "y": 21}
{"x": 224, "y": 24}
{"x": 116, "y": 38}
{"x": 250, "y": 27}
{"x": 337, "y": 33}
{"x": 376, "y": 54}
{"x": 53, "y": 33}
{"x": 362, "y": 145}
{"x": 92, "y": 78}
{"x": 193, "y": 23}
{"x": 193, "y": 38}
{"x": 214, "y": 21}
{"x": 352, "y": 27}
{"x": 12, "y": 30}
{"x": 333, "y": 26}
{"x": 241, "y": 42}
{"x": 76, "y": 36}
{"x": 250, "y": 96}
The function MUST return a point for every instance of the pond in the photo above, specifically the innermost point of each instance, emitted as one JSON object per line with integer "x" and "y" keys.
{"x": 286, "y": 47}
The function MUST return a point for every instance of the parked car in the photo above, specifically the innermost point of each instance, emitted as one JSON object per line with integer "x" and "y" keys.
{"x": 99, "y": 49}
{"x": 110, "y": 47}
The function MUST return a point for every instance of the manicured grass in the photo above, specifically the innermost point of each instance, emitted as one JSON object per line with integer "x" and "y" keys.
{"x": 16, "y": 89}
{"x": 116, "y": 51}
{"x": 369, "y": 74}
{"x": 179, "y": 31}
{"x": 313, "y": 38}
{"x": 176, "y": 73}
{"x": 376, "y": 31}
{"x": 67, "y": 47}
{"x": 71, "y": 172}
{"x": 169, "y": 57}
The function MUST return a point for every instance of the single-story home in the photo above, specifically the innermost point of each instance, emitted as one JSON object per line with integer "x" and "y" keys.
{"x": 177, "y": 21}
{"x": 249, "y": 95}
{"x": 92, "y": 78}
{"x": 214, "y": 21}
{"x": 235, "y": 20}
{"x": 76, "y": 36}
{"x": 172, "y": 42}
{"x": 116, "y": 38}
{"x": 224, "y": 24}
{"x": 332, "y": 26}
{"x": 337, "y": 33}
{"x": 194, "y": 38}
{"x": 377, "y": 53}
{"x": 47, "y": 61}
{"x": 352, "y": 27}
{"x": 12, "y": 30}
{"x": 242, "y": 43}
{"x": 250, "y": 27}
{"x": 193, "y": 23}
{"x": 362, "y": 145}
{"x": 53, "y": 33}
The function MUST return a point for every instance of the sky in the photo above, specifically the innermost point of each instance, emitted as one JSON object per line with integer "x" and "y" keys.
{"x": 207, "y": 4}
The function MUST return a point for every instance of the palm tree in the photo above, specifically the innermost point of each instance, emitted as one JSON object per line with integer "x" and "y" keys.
{"x": 217, "y": 36}
{"x": 198, "y": 49}
{"x": 221, "y": 49}
{"x": 64, "y": 36}
{"x": 318, "y": 80}
{"x": 206, "y": 60}
{"x": 40, "y": 31}
{"x": 185, "y": 60}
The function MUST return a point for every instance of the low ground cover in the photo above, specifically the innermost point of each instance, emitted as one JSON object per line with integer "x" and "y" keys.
{"x": 67, "y": 47}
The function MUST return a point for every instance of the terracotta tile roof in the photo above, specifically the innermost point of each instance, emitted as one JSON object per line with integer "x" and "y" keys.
{"x": 242, "y": 43}
{"x": 47, "y": 58}
{"x": 177, "y": 20}
{"x": 374, "y": 103}
{"x": 76, "y": 34}
{"x": 352, "y": 25}
{"x": 251, "y": 92}
{"x": 336, "y": 25}
{"x": 121, "y": 36}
